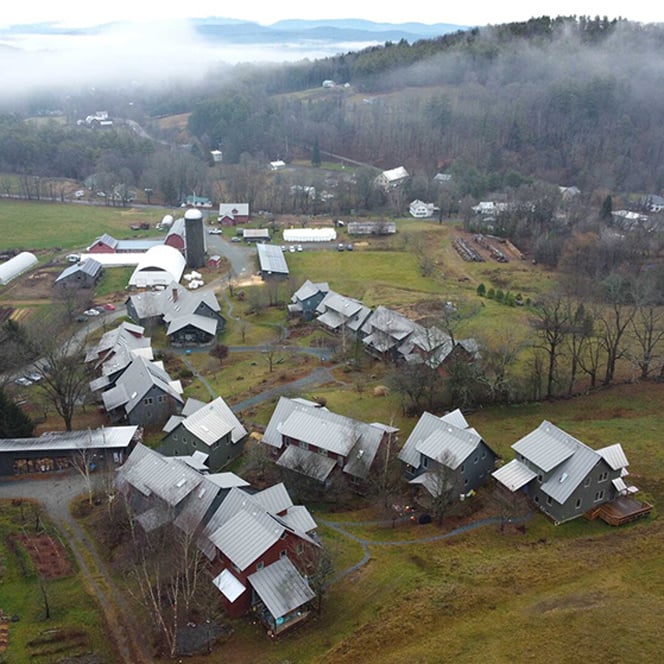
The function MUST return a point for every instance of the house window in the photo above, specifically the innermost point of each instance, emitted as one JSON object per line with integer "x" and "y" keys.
{"x": 283, "y": 554}
{"x": 536, "y": 499}
{"x": 476, "y": 459}
{"x": 588, "y": 480}
{"x": 603, "y": 476}
{"x": 548, "y": 500}
{"x": 283, "y": 535}
{"x": 463, "y": 468}
{"x": 539, "y": 478}
{"x": 599, "y": 495}
{"x": 300, "y": 548}
{"x": 161, "y": 398}
{"x": 484, "y": 454}
{"x": 425, "y": 462}
{"x": 465, "y": 482}
{"x": 259, "y": 565}
{"x": 303, "y": 445}
{"x": 147, "y": 401}
{"x": 578, "y": 503}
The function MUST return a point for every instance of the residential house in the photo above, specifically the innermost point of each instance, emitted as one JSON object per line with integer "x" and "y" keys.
{"x": 177, "y": 304}
{"x": 562, "y": 476}
{"x": 260, "y": 548}
{"x": 384, "y": 331}
{"x": 271, "y": 262}
{"x": 306, "y": 298}
{"x": 445, "y": 456}
{"x": 142, "y": 394}
{"x": 196, "y": 201}
{"x": 421, "y": 210}
{"x": 277, "y": 165}
{"x": 392, "y": 178}
{"x": 81, "y": 275}
{"x": 340, "y": 314}
{"x": 311, "y": 440}
{"x": 212, "y": 429}
{"x": 232, "y": 214}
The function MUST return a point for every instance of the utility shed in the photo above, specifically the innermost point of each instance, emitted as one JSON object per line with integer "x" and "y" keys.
{"x": 16, "y": 266}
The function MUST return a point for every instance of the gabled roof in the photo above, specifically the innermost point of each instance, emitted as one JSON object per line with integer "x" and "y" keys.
{"x": 306, "y": 462}
{"x": 514, "y": 475}
{"x": 106, "y": 239}
{"x": 281, "y": 587}
{"x": 328, "y": 431}
{"x": 138, "y": 378}
{"x": 440, "y": 439}
{"x": 274, "y": 499}
{"x": 213, "y": 421}
{"x": 233, "y": 209}
{"x": 309, "y": 289}
{"x": 547, "y": 446}
{"x": 614, "y": 455}
{"x": 203, "y": 323}
{"x": 89, "y": 266}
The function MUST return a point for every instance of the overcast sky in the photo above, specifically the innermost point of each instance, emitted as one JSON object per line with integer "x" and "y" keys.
{"x": 470, "y": 12}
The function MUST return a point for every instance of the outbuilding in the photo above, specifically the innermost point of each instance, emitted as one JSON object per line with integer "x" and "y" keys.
{"x": 16, "y": 266}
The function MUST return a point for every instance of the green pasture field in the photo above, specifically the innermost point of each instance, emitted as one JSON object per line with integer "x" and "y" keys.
{"x": 70, "y": 226}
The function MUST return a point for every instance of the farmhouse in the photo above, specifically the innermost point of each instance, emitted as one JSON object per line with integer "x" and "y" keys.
{"x": 313, "y": 441}
{"x": 232, "y": 214}
{"x": 392, "y": 178}
{"x": 211, "y": 428}
{"x": 421, "y": 210}
{"x": 563, "y": 476}
{"x": 445, "y": 457}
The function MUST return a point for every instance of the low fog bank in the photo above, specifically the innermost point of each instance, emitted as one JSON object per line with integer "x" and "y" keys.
{"x": 148, "y": 55}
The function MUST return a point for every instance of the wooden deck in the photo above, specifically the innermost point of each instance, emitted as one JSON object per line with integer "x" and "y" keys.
{"x": 620, "y": 511}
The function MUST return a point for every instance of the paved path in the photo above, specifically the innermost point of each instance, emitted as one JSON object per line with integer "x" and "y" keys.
{"x": 55, "y": 492}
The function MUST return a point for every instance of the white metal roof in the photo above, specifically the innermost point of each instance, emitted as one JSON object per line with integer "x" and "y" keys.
{"x": 306, "y": 462}
{"x": 271, "y": 259}
{"x": 310, "y": 235}
{"x": 229, "y": 585}
{"x": 104, "y": 438}
{"x": 547, "y": 446}
{"x": 213, "y": 421}
{"x": 159, "y": 265}
{"x": 614, "y": 455}
{"x": 514, "y": 475}
{"x": 334, "y": 434}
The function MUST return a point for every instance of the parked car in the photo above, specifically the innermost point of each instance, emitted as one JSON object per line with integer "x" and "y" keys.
{"x": 80, "y": 193}
{"x": 299, "y": 247}
{"x": 22, "y": 380}
{"x": 236, "y": 238}
{"x": 34, "y": 376}
{"x": 349, "y": 247}
{"x": 340, "y": 246}
{"x": 108, "y": 306}
{"x": 292, "y": 249}
{"x": 91, "y": 312}
{"x": 215, "y": 231}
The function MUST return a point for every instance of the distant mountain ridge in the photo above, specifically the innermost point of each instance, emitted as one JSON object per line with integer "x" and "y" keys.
{"x": 234, "y": 31}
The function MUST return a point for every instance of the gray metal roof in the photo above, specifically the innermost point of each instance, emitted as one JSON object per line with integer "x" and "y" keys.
{"x": 299, "y": 518}
{"x": 614, "y": 455}
{"x": 306, "y": 462}
{"x": 281, "y": 587}
{"x": 546, "y": 447}
{"x": 106, "y": 239}
{"x": 197, "y": 461}
{"x": 274, "y": 499}
{"x": 89, "y": 266}
{"x": 323, "y": 429}
{"x": 246, "y": 536}
{"x": 104, "y": 438}
{"x": 309, "y": 289}
{"x": 449, "y": 445}
{"x": 227, "y": 480}
{"x": 571, "y": 473}
{"x": 514, "y": 475}
{"x": 271, "y": 259}
{"x": 425, "y": 426}
{"x": 434, "y": 483}
{"x": 213, "y": 421}
{"x": 196, "y": 505}
{"x": 390, "y": 323}
{"x": 204, "y": 323}
{"x": 283, "y": 409}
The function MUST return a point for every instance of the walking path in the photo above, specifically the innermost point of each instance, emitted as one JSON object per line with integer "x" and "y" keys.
{"x": 340, "y": 527}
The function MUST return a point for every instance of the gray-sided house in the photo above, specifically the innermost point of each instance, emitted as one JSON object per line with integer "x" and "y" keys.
{"x": 563, "y": 476}
{"x": 57, "y": 450}
{"x": 181, "y": 307}
{"x": 80, "y": 275}
{"x": 143, "y": 394}
{"x": 306, "y": 298}
{"x": 340, "y": 314}
{"x": 210, "y": 428}
{"x": 311, "y": 440}
{"x": 445, "y": 455}
{"x": 271, "y": 262}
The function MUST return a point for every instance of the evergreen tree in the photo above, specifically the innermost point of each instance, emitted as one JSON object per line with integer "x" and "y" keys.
{"x": 14, "y": 423}
{"x": 607, "y": 209}
{"x": 315, "y": 154}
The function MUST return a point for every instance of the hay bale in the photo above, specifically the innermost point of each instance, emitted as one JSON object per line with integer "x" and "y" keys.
{"x": 380, "y": 391}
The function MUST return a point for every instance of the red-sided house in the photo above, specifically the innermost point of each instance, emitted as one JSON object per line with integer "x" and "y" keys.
{"x": 232, "y": 214}
{"x": 260, "y": 547}
{"x": 104, "y": 244}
